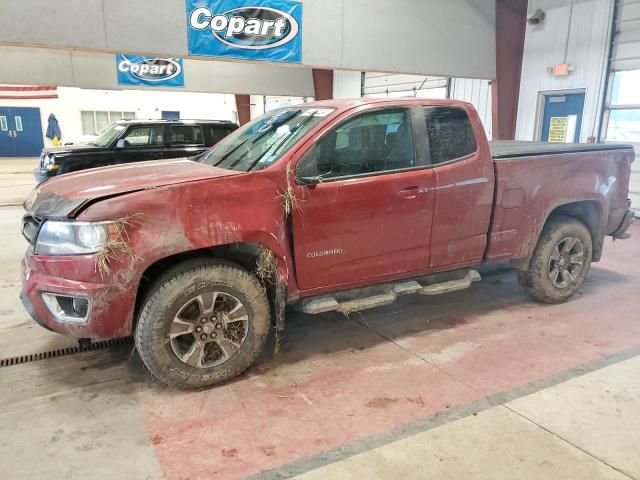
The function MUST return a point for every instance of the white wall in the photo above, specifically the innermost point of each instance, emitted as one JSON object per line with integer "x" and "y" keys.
{"x": 587, "y": 52}
{"x": 146, "y": 105}
{"x": 347, "y": 84}
{"x": 257, "y": 105}
{"x": 478, "y": 93}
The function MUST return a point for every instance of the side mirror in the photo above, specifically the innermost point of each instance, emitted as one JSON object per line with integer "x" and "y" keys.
{"x": 121, "y": 144}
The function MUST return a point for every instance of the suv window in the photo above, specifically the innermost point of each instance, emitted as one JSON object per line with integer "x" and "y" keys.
{"x": 214, "y": 133}
{"x": 145, "y": 135}
{"x": 371, "y": 142}
{"x": 186, "y": 135}
{"x": 450, "y": 133}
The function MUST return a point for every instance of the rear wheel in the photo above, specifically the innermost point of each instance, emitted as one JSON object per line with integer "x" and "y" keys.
{"x": 202, "y": 324}
{"x": 560, "y": 261}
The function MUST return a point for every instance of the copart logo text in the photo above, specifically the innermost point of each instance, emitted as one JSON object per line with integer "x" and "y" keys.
{"x": 251, "y": 28}
{"x": 151, "y": 70}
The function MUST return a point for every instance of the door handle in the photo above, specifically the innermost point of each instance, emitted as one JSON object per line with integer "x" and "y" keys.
{"x": 409, "y": 192}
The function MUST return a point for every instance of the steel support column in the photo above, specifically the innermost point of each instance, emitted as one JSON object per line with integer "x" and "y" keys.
{"x": 511, "y": 21}
{"x": 323, "y": 84}
{"x": 243, "y": 105}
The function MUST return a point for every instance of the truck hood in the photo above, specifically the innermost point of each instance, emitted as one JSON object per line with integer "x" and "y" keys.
{"x": 67, "y": 195}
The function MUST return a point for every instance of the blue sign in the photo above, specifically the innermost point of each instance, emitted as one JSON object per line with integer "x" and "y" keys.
{"x": 149, "y": 71}
{"x": 266, "y": 30}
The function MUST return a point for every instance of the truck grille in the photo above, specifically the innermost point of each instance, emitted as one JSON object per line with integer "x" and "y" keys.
{"x": 30, "y": 227}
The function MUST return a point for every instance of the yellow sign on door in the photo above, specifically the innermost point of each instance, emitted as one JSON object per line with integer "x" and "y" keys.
{"x": 558, "y": 129}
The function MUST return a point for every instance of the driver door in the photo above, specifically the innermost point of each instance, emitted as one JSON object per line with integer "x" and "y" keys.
{"x": 370, "y": 217}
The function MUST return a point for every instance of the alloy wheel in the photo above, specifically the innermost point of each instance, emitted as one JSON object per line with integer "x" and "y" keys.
{"x": 209, "y": 329}
{"x": 566, "y": 262}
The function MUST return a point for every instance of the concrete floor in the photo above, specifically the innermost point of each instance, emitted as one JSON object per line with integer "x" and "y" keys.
{"x": 482, "y": 383}
{"x": 16, "y": 179}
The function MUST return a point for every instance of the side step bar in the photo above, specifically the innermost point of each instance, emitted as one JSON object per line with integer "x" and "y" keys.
{"x": 388, "y": 294}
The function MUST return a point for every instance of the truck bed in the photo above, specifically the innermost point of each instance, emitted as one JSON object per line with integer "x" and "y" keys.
{"x": 533, "y": 178}
{"x": 508, "y": 149}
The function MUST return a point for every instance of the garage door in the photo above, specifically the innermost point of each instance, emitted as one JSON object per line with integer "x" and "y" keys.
{"x": 622, "y": 117}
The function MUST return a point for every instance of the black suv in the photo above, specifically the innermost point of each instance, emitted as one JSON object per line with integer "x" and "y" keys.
{"x": 134, "y": 141}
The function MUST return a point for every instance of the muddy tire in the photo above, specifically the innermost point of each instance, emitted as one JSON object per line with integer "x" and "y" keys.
{"x": 560, "y": 261}
{"x": 202, "y": 323}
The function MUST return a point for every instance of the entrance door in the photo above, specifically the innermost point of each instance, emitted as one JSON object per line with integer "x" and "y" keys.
{"x": 20, "y": 132}
{"x": 562, "y": 117}
{"x": 6, "y": 135}
{"x": 27, "y": 131}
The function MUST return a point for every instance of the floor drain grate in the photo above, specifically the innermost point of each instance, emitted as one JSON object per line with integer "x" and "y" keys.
{"x": 61, "y": 352}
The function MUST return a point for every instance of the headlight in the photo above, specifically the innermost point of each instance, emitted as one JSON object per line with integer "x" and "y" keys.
{"x": 49, "y": 162}
{"x": 72, "y": 238}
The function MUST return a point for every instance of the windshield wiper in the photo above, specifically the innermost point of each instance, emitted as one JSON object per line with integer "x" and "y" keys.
{"x": 268, "y": 127}
{"x": 284, "y": 139}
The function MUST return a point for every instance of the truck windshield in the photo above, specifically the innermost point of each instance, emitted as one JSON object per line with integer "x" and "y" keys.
{"x": 261, "y": 142}
{"x": 108, "y": 135}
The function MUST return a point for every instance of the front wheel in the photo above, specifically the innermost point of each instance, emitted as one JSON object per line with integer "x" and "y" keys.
{"x": 560, "y": 261}
{"x": 202, "y": 324}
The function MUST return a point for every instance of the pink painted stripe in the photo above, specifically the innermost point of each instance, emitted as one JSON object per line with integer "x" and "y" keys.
{"x": 9, "y": 88}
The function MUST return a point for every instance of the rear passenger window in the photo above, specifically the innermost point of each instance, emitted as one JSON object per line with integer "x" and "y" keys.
{"x": 450, "y": 133}
{"x": 186, "y": 135}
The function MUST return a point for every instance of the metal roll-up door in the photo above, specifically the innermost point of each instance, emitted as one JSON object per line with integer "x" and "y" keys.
{"x": 626, "y": 42}
{"x": 625, "y": 56}
{"x": 398, "y": 85}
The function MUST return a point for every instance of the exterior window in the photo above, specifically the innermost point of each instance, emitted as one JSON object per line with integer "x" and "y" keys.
{"x": 624, "y": 125}
{"x": 372, "y": 142}
{"x": 450, "y": 134}
{"x": 102, "y": 121}
{"x": 88, "y": 123}
{"x": 624, "y": 109}
{"x": 94, "y": 122}
{"x": 186, "y": 135}
{"x": 151, "y": 135}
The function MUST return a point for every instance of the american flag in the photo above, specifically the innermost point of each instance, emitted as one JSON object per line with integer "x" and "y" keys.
{"x": 18, "y": 92}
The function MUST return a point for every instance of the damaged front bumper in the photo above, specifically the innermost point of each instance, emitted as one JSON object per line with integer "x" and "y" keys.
{"x": 80, "y": 308}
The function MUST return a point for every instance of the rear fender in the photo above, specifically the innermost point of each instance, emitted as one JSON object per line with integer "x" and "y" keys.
{"x": 588, "y": 211}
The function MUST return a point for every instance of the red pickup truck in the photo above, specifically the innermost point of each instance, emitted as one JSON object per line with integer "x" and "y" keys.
{"x": 338, "y": 205}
